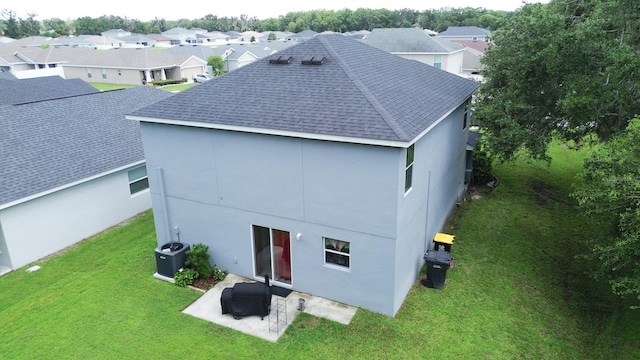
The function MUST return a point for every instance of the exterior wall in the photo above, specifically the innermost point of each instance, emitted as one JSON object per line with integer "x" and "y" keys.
{"x": 214, "y": 185}
{"x": 126, "y": 76}
{"x": 438, "y": 182}
{"x": 450, "y": 62}
{"x": 315, "y": 188}
{"x": 43, "y": 226}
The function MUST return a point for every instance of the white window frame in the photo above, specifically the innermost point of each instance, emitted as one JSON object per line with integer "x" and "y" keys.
{"x": 104, "y": 73}
{"x": 133, "y": 190}
{"x": 437, "y": 61}
{"x": 89, "y": 73}
{"x": 408, "y": 170}
{"x": 326, "y": 251}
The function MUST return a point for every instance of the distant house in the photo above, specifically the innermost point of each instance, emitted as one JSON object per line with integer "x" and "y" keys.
{"x": 279, "y": 36}
{"x": 331, "y": 176}
{"x": 89, "y": 42}
{"x": 18, "y": 61}
{"x": 14, "y": 91}
{"x": 179, "y": 35}
{"x": 160, "y": 40}
{"x": 131, "y": 66}
{"x": 302, "y": 35}
{"x": 234, "y": 55}
{"x": 472, "y": 33}
{"x": 415, "y": 44}
{"x": 137, "y": 40}
{"x": 70, "y": 167}
{"x": 115, "y": 33}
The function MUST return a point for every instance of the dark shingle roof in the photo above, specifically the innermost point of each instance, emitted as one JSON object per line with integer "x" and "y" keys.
{"x": 409, "y": 40}
{"x": 21, "y": 91}
{"x": 358, "y": 92}
{"x": 49, "y": 144}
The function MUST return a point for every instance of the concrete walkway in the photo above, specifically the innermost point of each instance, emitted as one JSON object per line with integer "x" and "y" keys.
{"x": 283, "y": 311}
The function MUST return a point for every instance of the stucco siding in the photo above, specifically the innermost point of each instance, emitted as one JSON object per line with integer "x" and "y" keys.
{"x": 47, "y": 224}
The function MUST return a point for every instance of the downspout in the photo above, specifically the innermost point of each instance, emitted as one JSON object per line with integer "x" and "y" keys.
{"x": 163, "y": 196}
{"x": 426, "y": 222}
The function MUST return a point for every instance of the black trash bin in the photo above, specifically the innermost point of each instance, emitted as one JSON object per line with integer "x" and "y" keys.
{"x": 437, "y": 262}
{"x": 170, "y": 257}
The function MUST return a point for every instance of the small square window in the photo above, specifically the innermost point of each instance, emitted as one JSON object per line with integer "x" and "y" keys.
{"x": 408, "y": 175}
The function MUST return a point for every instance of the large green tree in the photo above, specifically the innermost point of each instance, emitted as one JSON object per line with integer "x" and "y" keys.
{"x": 610, "y": 196}
{"x": 568, "y": 68}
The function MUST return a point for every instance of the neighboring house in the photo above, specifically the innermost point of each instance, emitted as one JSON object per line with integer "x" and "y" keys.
{"x": 415, "y": 44}
{"x": 88, "y": 41}
{"x": 6, "y": 40}
{"x": 280, "y": 36}
{"x": 358, "y": 35}
{"x": 302, "y": 35}
{"x": 70, "y": 167}
{"x": 132, "y": 66}
{"x": 160, "y": 40}
{"x": 472, "y": 33}
{"x": 14, "y": 60}
{"x": 234, "y": 55}
{"x": 31, "y": 41}
{"x": 115, "y": 33}
{"x": 137, "y": 40}
{"x": 179, "y": 35}
{"x": 332, "y": 177}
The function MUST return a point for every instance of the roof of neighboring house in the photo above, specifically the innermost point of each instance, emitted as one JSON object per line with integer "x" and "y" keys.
{"x": 477, "y": 45}
{"x": 7, "y": 76}
{"x": 410, "y": 40}
{"x": 158, "y": 37}
{"x": 359, "y": 93}
{"x": 471, "y": 60}
{"x": 473, "y": 139}
{"x": 31, "y": 41}
{"x": 20, "y": 91}
{"x": 6, "y": 40}
{"x": 125, "y": 58}
{"x": 178, "y": 31}
{"x": 84, "y": 40}
{"x": 232, "y": 51}
{"x": 137, "y": 38}
{"x": 465, "y": 31}
{"x": 302, "y": 34}
{"x": 51, "y": 144}
{"x": 278, "y": 34}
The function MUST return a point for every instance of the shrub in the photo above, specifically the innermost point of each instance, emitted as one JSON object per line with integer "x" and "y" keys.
{"x": 219, "y": 273}
{"x": 482, "y": 166}
{"x": 198, "y": 259}
{"x": 185, "y": 276}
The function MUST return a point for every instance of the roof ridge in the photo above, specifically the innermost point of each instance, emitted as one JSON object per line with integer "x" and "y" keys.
{"x": 386, "y": 116}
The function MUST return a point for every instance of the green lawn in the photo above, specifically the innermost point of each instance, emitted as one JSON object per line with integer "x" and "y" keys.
{"x": 517, "y": 292}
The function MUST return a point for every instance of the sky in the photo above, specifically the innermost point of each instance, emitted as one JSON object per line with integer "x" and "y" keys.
{"x": 195, "y": 9}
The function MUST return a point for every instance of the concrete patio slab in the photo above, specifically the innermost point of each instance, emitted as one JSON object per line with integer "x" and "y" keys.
{"x": 208, "y": 307}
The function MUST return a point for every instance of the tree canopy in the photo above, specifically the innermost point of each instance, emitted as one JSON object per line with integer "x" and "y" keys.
{"x": 568, "y": 69}
{"x": 316, "y": 20}
{"x": 610, "y": 196}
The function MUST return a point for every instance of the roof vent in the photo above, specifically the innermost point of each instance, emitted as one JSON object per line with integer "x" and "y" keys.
{"x": 280, "y": 59}
{"x": 313, "y": 60}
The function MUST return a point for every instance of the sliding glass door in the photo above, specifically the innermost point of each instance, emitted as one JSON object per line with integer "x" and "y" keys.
{"x": 272, "y": 253}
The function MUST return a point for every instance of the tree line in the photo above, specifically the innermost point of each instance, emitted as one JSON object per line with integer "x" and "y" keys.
{"x": 317, "y": 20}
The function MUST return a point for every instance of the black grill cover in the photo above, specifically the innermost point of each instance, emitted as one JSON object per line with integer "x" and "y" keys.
{"x": 246, "y": 299}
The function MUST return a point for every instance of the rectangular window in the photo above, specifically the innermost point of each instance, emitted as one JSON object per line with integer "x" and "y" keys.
{"x": 437, "y": 61}
{"x": 138, "y": 179}
{"x": 465, "y": 120}
{"x": 89, "y": 73}
{"x": 408, "y": 174}
{"x": 337, "y": 252}
{"x": 104, "y": 73}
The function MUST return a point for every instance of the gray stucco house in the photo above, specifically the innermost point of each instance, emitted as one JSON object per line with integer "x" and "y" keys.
{"x": 336, "y": 191}
{"x": 71, "y": 166}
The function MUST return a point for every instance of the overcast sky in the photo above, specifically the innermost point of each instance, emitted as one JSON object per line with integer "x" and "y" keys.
{"x": 195, "y": 9}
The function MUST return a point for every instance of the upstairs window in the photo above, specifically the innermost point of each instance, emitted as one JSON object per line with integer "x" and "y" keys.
{"x": 89, "y": 73}
{"x": 408, "y": 173}
{"x": 104, "y": 73}
{"x": 437, "y": 61}
{"x": 465, "y": 118}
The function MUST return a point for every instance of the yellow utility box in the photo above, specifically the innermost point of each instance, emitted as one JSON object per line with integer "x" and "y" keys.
{"x": 443, "y": 239}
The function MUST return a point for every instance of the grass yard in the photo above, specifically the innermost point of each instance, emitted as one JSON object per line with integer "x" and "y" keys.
{"x": 107, "y": 86}
{"x": 517, "y": 292}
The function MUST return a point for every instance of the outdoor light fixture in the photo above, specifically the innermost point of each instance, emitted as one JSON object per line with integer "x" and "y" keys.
{"x": 298, "y": 236}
